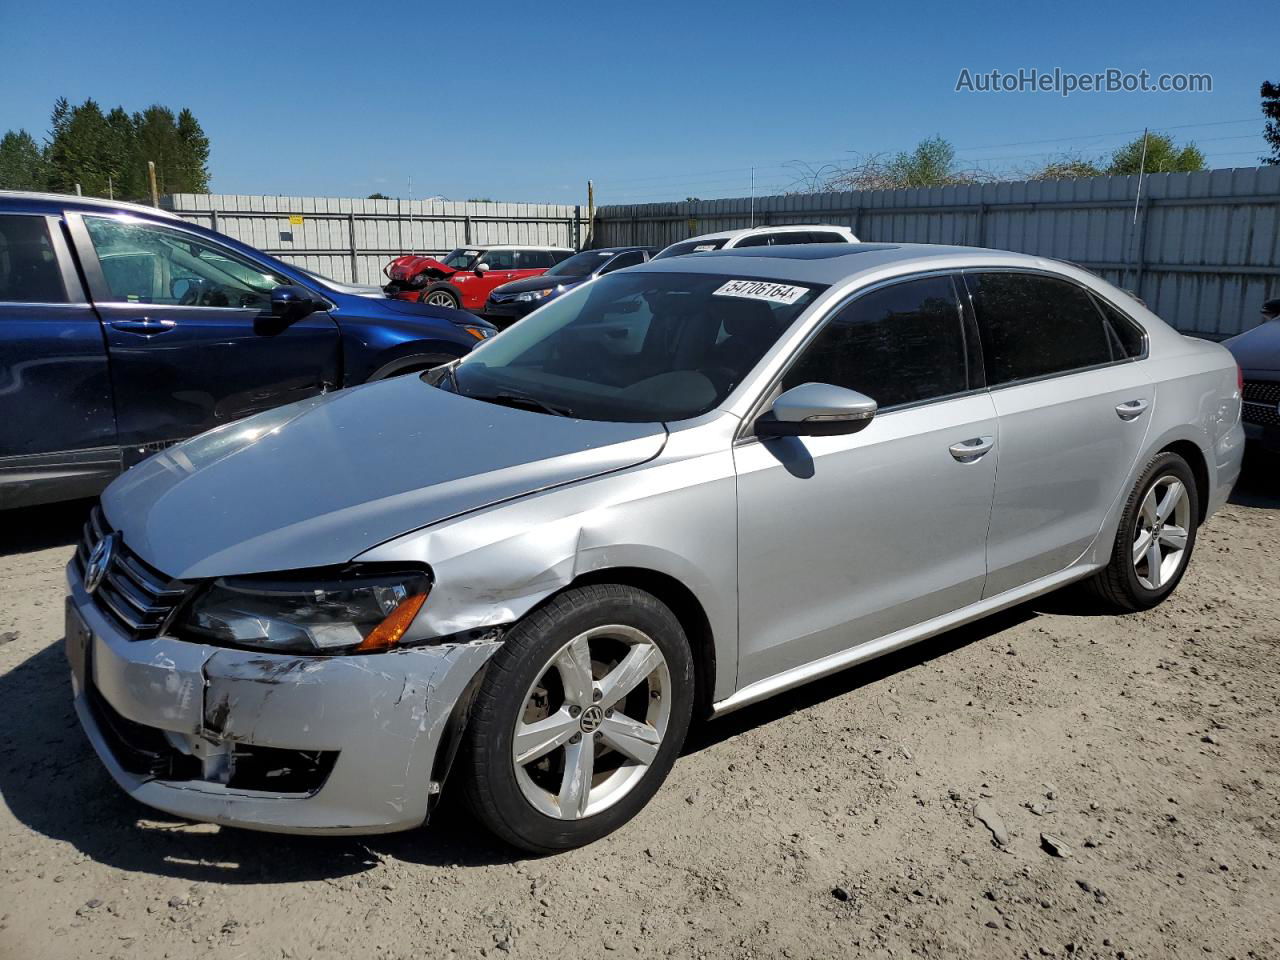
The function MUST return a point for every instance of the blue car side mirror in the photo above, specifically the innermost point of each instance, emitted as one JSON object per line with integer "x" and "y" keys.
{"x": 292, "y": 303}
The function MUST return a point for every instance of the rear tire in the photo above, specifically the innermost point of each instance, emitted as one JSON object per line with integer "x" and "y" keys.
{"x": 1155, "y": 539}
{"x": 579, "y": 718}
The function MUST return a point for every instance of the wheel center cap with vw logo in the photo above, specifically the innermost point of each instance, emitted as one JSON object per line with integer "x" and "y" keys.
{"x": 99, "y": 560}
{"x": 592, "y": 717}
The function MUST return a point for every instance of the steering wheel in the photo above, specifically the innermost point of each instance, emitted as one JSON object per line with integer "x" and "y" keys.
{"x": 191, "y": 296}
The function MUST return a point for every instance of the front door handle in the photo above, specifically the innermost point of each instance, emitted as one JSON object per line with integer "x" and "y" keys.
{"x": 967, "y": 451}
{"x": 1132, "y": 409}
{"x": 146, "y": 326}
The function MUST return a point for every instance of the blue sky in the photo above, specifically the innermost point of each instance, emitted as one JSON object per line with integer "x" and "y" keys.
{"x": 652, "y": 100}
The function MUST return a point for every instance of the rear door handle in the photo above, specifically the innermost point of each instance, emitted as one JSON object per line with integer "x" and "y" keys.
{"x": 1132, "y": 409}
{"x": 967, "y": 451}
{"x": 146, "y": 326}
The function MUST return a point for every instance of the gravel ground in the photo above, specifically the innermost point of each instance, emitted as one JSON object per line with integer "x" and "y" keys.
{"x": 1132, "y": 762}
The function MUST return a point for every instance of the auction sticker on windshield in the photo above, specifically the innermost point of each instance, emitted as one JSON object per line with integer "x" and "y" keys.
{"x": 762, "y": 290}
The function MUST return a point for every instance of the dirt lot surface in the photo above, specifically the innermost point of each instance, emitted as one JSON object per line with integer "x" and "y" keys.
{"x": 836, "y": 821}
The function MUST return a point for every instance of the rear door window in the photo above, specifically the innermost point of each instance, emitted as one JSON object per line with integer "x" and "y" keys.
{"x": 899, "y": 345}
{"x": 29, "y": 271}
{"x": 1036, "y": 326}
{"x": 500, "y": 259}
{"x": 630, "y": 259}
{"x": 774, "y": 239}
{"x": 536, "y": 260}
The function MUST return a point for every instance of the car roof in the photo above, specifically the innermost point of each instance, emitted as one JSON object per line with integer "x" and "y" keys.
{"x": 830, "y": 263}
{"x": 69, "y": 201}
{"x": 775, "y": 228}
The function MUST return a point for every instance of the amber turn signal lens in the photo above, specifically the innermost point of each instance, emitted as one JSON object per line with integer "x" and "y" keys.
{"x": 388, "y": 633}
{"x": 476, "y": 332}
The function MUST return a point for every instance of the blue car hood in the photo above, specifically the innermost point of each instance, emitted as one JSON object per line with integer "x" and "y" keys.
{"x": 320, "y": 481}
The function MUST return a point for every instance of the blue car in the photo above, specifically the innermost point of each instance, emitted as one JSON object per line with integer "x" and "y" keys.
{"x": 512, "y": 301}
{"x": 124, "y": 329}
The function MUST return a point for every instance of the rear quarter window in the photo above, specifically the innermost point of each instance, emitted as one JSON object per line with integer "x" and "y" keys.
{"x": 29, "y": 271}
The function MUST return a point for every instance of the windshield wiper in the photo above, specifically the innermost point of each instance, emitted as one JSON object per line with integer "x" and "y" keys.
{"x": 521, "y": 401}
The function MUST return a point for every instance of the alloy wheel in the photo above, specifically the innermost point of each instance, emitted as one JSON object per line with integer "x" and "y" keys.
{"x": 440, "y": 299}
{"x": 592, "y": 722}
{"x": 1160, "y": 532}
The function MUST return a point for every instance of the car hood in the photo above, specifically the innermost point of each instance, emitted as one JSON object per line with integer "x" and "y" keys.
{"x": 537, "y": 283}
{"x": 423, "y": 311}
{"x": 403, "y": 268}
{"x": 320, "y": 481}
{"x": 1259, "y": 348}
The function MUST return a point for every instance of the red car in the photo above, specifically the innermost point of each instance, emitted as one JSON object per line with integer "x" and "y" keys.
{"x": 466, "y": 276}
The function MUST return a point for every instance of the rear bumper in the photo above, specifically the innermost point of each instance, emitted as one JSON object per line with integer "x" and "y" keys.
{"x": 176, "y": 723}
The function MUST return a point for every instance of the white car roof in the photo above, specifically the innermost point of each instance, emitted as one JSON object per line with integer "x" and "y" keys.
{"x": 735, "y": 235}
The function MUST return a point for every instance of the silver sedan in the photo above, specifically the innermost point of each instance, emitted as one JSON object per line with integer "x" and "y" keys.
{"x": 677, "y": 490}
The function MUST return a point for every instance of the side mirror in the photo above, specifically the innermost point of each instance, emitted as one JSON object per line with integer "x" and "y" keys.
{"x": 816, "y": 410}
{"x": 292, "y": 303}
{"x": 480, "y": 269}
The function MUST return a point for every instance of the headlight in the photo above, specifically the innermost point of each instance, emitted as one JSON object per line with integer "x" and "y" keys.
{"x": 534, "y": 295}
{"x": 361, "y": 609}
{"x": 479, "y": 333}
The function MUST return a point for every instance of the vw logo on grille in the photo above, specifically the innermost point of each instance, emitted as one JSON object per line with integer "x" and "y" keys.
{"x": 592, "y": 717}
{"x": 99, "y": 560}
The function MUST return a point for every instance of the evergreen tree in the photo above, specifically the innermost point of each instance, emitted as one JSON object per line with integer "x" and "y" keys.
{"x": 22, "y": 165}
{"x": 1271, "y": 129}
{"x": 192, "y": 173}
{"x": 107, "y": 154}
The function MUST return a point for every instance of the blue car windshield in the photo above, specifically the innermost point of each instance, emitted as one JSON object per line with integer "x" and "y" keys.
{"x": 635, "y": 347}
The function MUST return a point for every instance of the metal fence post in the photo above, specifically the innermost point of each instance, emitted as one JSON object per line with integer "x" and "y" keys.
{"x": 577, "y": 226}
{"x": 1141, "y": 266}
{"x": 355, "y": 257}
{"x": 982, "y": 224}
{"x": 466, "y": 230}
{"x": 213, "y": 220}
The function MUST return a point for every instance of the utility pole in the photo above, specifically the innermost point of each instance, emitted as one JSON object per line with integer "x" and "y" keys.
{"x": 78, "y": 193}
{"x": 111, "y": 190}
{"x": 151, "y": 176}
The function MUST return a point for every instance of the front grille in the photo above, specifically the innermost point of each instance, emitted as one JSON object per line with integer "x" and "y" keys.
{"x": 503, "y": 297}
{"x": 133, "y": 594}
{"x": 1262, "y": 391}
{"x": 1261, "y": 402}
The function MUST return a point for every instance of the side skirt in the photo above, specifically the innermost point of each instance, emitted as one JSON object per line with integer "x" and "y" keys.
{"x": 834, "y": 663}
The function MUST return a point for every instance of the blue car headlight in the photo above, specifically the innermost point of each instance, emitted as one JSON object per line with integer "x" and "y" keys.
{"x": 359, "y": 609}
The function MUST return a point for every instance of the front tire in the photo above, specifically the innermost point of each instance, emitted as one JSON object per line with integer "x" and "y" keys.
{"x": 579, "y": 718}
{"x": 440, "y": 297}
{"x": 1156, "y": 537}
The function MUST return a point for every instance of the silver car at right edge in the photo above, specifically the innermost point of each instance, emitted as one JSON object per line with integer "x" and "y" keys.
{"x": 679, "y": 489}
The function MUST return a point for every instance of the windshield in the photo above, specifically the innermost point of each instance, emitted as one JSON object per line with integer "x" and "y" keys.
{"x": 692, "y": 246}
{"x": 635, "y": 347}
{"x": 461, "y": 259}
{"x": 581, "y": 264}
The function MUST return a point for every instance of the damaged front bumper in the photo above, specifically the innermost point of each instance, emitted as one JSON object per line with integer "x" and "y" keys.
{"x": 345, "y": 744}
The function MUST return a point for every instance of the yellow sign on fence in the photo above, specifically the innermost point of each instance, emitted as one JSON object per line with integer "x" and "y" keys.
{"x": 295, "y": 219}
